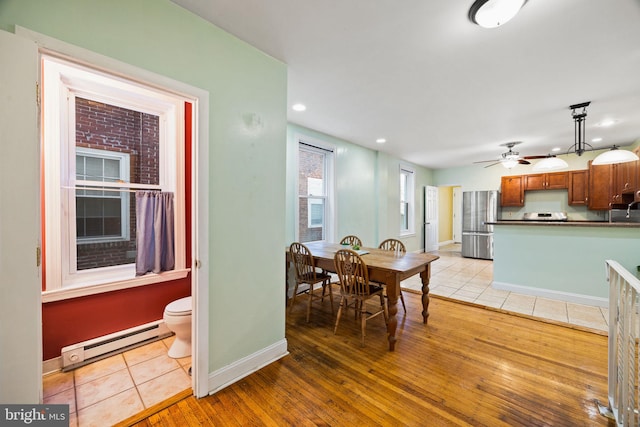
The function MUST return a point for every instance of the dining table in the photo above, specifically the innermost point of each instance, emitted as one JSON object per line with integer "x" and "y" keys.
{"x": 386, "y": 267}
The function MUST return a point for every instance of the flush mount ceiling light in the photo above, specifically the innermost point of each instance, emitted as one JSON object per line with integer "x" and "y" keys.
{"x": 298, "y": 107}
{"x": 494, "y": 13}
{"x": 615, "y": 155}
{"x": 550, "y": 163}
{"x": 381, "y": 140}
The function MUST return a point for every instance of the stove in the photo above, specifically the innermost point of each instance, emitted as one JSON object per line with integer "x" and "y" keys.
{"x": 545, "y": 216}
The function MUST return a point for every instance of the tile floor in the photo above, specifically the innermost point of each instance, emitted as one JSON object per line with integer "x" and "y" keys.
{"x": 113, "y": 389}
{"x": 470, "y": 280}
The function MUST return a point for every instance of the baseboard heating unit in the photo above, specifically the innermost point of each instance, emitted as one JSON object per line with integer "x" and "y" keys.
{"x": 76, "y": 355}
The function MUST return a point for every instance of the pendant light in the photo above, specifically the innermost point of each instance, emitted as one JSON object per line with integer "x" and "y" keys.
{"x": 551, "y": 163}
{"x": 579, "y": 118}
{"x": 615, "y": 155}
{"x": 494, "y": 13}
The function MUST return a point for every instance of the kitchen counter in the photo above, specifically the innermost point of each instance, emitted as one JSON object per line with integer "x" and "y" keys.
{"x": 568, "y": 223}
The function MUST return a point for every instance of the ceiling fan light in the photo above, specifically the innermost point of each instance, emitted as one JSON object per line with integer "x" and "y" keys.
{"x": 550, "y": 164}
{"x": 493, "y": 13}
{"x": 509, "y": 163}
{"x": 615, "y": 155}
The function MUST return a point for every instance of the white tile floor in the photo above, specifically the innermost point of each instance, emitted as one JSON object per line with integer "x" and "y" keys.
{"x": 113, "y": 389}
{"x": 469, "y": 280}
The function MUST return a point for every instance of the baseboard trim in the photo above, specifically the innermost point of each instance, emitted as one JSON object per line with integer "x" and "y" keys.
{"x": 234, "y": 372}
{"x": 52, "y": 365}
{"x": 552, "y": 294}
{"x": 448, "y": 242}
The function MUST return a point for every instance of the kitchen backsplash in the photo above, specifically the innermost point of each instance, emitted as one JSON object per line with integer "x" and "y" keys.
{"x": 552, "y": 201}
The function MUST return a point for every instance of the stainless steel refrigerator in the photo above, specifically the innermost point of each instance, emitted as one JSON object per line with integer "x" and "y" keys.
{"x": 478, "y": 208}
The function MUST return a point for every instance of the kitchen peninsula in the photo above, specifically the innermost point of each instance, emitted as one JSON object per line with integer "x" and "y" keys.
{"x": 562, "y": 260}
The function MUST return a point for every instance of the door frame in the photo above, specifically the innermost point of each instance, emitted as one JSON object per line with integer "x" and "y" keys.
{"x": 457, "y": 214}
{"x": 200, "y": 187}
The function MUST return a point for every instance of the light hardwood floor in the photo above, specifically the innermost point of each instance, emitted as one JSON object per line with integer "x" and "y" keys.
{"x": 469, "y": 366}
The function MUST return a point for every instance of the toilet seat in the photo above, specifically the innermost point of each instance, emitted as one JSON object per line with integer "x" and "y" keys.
{"x": 180, "y": 307}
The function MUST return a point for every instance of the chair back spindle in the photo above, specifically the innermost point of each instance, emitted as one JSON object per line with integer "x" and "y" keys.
{"x": 351, "y": 241}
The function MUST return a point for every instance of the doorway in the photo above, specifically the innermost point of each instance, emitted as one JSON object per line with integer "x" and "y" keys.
{"x": 430, "y": 218}
{"x": 198, "y": 131}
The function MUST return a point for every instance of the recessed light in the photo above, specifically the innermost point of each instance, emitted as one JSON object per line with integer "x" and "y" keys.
{"x": 556, "y": 149}
{"x": 298, "y": 107}
{"x": 381, "y": 140}
{"x": 596, "y": 140}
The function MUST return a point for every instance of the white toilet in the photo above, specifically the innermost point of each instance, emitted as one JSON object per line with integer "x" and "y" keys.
{"x": 177, "y": 316}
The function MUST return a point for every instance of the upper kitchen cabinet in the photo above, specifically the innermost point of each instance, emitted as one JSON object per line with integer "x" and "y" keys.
{"x": 547, "y": 181}
{"x": 599, "y": 187}
{"x": 512, "y": 191}
{"x": 624, "y": 178}
{"x": 578, "y": 187}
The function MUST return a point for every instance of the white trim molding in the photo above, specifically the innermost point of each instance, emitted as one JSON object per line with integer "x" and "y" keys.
{"x": 241, "y": 368}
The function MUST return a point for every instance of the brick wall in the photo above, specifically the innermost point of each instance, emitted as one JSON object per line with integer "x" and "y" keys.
{"x": 106, "y": 127}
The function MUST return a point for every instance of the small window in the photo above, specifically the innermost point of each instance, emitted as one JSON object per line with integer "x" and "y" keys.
{"x": 101, "y": 215}
{"x": 407, "y": 209}
{"x": 314, "y": 192}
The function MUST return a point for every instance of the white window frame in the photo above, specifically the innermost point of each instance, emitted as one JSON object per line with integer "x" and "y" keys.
{"x": 123, "y": 162}
{"x": 63, "y": 81}
{"x": 328, "y": 151}
{"x": 407, "y": 174}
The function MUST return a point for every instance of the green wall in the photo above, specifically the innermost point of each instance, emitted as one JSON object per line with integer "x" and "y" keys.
{"x": 367, "y": 191}
{"x": 247, "y": 130}
{"x": 563, "y": 261}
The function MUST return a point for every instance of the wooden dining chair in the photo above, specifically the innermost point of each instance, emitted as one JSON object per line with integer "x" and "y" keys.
{"x": 355, "y": 288}
{"x": 306, "y": 274}
{"x": 351, "y": 241}
{"x": 395, "y": 245}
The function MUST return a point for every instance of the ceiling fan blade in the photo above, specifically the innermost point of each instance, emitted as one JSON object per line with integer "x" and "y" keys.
{"x": 492, "y": 164}
{"x": 523, "y": 162}
{"x": 487, "y": 161}
{"x": 535, "y": 157}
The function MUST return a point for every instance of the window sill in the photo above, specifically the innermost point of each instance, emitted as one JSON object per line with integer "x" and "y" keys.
{"x": 81, "y": 291}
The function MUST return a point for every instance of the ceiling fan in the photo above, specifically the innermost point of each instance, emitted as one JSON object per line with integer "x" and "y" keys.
{"x": 511, "y": 158}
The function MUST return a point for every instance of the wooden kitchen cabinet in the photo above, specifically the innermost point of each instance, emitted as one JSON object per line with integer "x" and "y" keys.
{"x": 512, "y": 190}
{"x": 625, "y": 177}
{"x": 547, "y": 181}
{"x": 612, "y": 184}
{"x": 600, "y": 183}
{"x": 578, "y": 187}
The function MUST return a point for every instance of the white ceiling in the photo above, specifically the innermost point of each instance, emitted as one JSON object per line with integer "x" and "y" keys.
{"x": 445, "y": 92}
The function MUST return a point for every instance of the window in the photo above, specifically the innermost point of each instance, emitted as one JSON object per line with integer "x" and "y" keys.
{"x": 314, "y": 192}
{"x": 315, "y": 186}
{"x": 407, "y": 209}
{"x": 104, "y": 138}
{"x": 101, "y": 215}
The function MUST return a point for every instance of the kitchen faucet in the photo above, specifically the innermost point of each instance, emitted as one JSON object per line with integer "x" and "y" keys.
{"x": 629, "y": 207}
